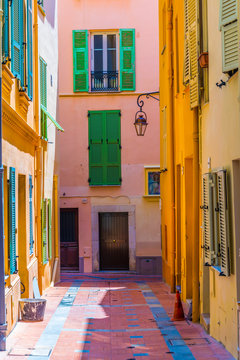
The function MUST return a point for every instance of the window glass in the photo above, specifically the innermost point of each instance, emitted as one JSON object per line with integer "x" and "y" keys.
{"x": 111, "y": 53}
{"x": 98, "y": 52}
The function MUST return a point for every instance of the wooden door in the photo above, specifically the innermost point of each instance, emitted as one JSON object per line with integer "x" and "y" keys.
{"x": 113, "y": 236}
{"x": 69, "y": 239}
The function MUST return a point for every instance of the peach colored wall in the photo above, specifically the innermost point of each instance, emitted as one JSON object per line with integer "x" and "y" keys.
{"x": 137, "y": 152}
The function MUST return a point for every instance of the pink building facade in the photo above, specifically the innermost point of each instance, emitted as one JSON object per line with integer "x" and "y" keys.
{"x": 109, "y": 177}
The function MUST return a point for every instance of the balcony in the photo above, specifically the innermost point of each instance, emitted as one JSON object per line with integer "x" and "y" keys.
{"x": 104, "y": 81}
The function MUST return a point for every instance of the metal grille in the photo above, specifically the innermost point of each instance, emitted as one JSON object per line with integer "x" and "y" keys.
{"x": 104, "y": 81}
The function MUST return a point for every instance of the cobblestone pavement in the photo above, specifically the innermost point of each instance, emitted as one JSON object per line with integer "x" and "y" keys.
{"x": 119, "y": 317}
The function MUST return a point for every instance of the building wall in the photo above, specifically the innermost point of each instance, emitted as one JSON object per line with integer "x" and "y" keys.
{"x": 220, "y": 146}
{"x": 136, "y": 152}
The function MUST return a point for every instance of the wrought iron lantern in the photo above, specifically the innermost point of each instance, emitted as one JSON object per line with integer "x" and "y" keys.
{"x": 140, "y": 123}
{"x": 141, "y": 117}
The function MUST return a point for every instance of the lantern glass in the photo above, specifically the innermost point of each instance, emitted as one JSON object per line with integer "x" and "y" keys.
{"x": 140, "y": 124}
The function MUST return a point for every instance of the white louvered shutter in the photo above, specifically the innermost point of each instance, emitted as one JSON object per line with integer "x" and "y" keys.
{"x": 216, "y": 248}
{"x": 207, "y": 219}
{"x": 223, "y": 222}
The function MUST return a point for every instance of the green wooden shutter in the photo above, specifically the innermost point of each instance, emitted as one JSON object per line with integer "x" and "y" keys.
{"x": 186, "y": 64}
{"x": 30, "y": 49}
{"x": 49, "y": 229}
{"x": 80, "y": 60}
{"x": 12, "y": 221}
{"x": 5, "y": 34}
{"x": 30, "y": 215}
{"x": 43, "y": 96}
{"x": 223, "y": 222}
{"x": 44, "y": 231}
{"x": 113, "y": 148}
{"x": 96, "y": 130}
{"x": 228, "y": 11}
{"x": 194, "y": 48}
{"x": 127, "y": 59}
{"x": 207, "y": 218}
{"x": 17, "y": 40}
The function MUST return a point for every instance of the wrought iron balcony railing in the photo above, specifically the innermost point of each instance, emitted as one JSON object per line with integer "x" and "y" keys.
{"x": 104, "y": 81}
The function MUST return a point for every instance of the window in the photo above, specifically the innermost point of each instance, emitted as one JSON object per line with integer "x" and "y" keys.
{"x": 30, "y": 215}
{"x": 104, "y": 148}
{"x": 104, "y": 62}
{"x": 12, "y": 220}
{"x": 17, "y": 40}
{"x": 152, "y": 181}
{"x": 215, "y": 221}
{"x": 46, "y": 230}
{"x": 229, "y": 28}
{"x": 43, "y": 97}
{"x": 112, "y": 61}
{"x": 29, "y": 50}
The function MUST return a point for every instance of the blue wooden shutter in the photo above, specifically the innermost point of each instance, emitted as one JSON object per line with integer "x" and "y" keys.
{"x": 30, "y": 215}
{"x": 113, "y": 148}
{"x": 12, "y": 221}
{"x": 17, "y": 39}
{"x": 44, "y": 231}
{"x": 80, "y": 60}
{"x": 43, "y": 97}
{"x": 30, "y": 49}
{"x": 5, "y": 35}
{"x": 127, "y": 59}
{"x": 96, "y": 147}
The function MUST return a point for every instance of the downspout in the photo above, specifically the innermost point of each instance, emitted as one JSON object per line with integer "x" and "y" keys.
{"x": 171, "y": 138}
{"x": 195, "y": 267}
{"x": 38, "y": 149}
{"x": 3, "y": 325}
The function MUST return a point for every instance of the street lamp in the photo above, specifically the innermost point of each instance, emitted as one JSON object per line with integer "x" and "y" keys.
{"x": 141, "y": 117}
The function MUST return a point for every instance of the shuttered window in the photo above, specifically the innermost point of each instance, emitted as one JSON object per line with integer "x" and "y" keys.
{"x": 29, "y": 49}
{"x": 104, "y": 148}
{"x": 186, "y": 69}
{"x": 229, "y": 28}
{"x": 49, "y": 229}
{"x": 44, "y": 232}
{"x": 17, "y": 40}
{"x": 80, "y": 60}
{"x": 30, "y": 215}
{"x": 215, "y": 221}
{"x": 5, "y": 30}
{"x": 12, "y": 220}
{"x": 127, "y": 59}
{"x": 43, "y": 97}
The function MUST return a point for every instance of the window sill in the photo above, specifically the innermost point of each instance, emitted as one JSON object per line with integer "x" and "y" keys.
{"x": 42, "y": 11}
{"x": 151, "y": 197}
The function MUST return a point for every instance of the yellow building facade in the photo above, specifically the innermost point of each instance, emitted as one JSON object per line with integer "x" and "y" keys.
{"x": 30, "y": 182}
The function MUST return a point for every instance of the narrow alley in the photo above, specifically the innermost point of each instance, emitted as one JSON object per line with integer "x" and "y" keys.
{"x": 119, "y": 317}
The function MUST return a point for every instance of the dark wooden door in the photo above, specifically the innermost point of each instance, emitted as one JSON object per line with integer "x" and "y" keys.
{"x": 69, "y": 239}
{"x": 113, "y": 235}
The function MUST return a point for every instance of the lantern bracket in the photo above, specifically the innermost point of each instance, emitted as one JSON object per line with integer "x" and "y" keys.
{"x": 148, "y": 95}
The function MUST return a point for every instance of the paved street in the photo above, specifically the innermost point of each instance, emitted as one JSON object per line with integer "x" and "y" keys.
{"x": 119, "y": 317}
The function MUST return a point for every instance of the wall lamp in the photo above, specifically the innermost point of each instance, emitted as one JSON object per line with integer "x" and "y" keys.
{"x": 141, "y": 117}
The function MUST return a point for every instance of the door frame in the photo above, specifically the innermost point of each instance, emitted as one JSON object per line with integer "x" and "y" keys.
{"x": 76, "y": 210}
{"x": 131, "y": 210}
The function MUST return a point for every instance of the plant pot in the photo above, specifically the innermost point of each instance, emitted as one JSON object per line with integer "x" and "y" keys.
{"x": 32, "y": 309}
{"x": 203, "y": 60}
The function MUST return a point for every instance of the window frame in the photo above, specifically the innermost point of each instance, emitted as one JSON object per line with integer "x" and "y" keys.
{"x": 151, "y": 169}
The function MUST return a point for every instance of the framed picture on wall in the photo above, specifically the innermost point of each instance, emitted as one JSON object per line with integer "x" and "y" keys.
{"x": 152, "y": 181}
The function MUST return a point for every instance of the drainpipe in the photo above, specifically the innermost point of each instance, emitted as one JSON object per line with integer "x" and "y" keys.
{"x": 3, "y": 325}
{"x": 195, "y": 256}
{"x": 38, "y": 149}
{"x": 171, "y": 138}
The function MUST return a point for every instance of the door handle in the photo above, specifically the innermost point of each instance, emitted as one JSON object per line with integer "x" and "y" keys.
{"x": 114, "y": 241}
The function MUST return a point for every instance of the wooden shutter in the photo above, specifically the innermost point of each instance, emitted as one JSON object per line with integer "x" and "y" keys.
{"x": 207, "y": 220}
{"x": 113, "y": 148}
{"x": 5, "y": 34}
{"x": 228, "y": 11}
{"x": 49, "y": 229}
{"x": 194, "y": 49}
{"x": 223, "y": 222}
{"x": 96, "y": 147}
{"x": 44, "y": 231}
{"x": 43, "y": 97}
{"x": 230, "y": 46}
{"x": 216, "y": 245}
{"x": 12, "y": 220}
{"x": 30, "y": 215}
{"x": 29, "y": 49}
{"x": 80, "y": 60}
{"x": 186, "y": 69}
{"x": 17, "y": 39}
{"x": 127, "y": 59}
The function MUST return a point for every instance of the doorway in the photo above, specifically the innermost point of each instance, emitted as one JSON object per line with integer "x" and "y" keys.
{"x": 113, "y": 238}
{"x": 69, "y": 239}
